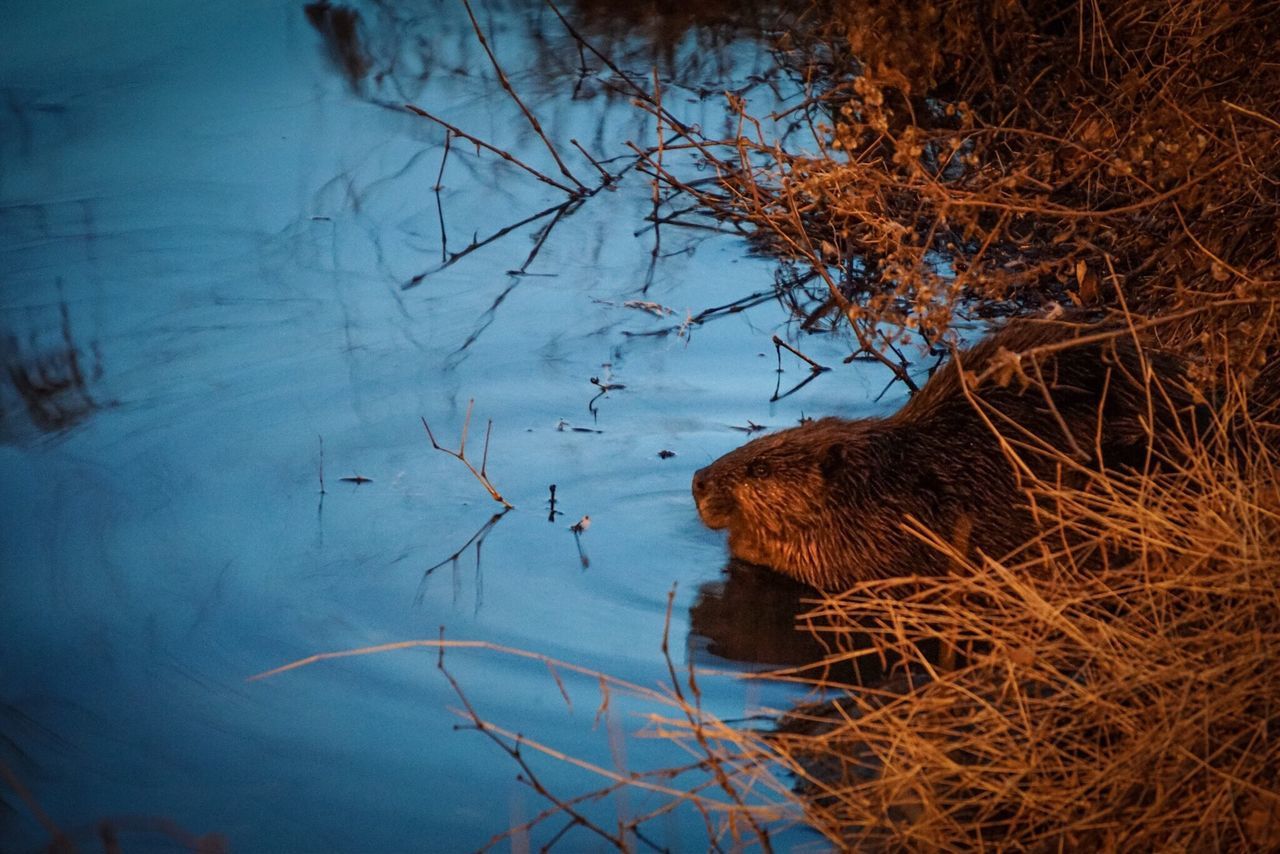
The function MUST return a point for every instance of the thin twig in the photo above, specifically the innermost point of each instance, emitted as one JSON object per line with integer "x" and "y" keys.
{"x": 605, "y": 176}
{"x": 813, "y": 366}
{"x": 460, "y": 454}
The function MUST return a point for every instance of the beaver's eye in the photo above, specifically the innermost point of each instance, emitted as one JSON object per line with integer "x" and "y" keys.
{"x": 758, "y": 468}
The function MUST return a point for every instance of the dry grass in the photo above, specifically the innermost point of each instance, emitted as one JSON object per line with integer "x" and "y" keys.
{"x": 1113, "y": 688}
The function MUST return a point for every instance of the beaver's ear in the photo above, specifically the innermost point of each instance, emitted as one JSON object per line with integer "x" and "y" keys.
{"x": 835, "y": 461}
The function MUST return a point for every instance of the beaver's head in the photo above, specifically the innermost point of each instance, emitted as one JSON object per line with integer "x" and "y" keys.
{"x": 793, "y": 500}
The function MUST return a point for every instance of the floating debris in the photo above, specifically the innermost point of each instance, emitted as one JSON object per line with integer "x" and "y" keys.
{"x": 563, "y": 425}
{"x": 652, "y": 307}
{"x": 553, "y": 512}
{"x": 606, "y": 386}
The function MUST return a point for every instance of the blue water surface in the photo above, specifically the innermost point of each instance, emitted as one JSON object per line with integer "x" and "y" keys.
{"x": 208, "y": 235}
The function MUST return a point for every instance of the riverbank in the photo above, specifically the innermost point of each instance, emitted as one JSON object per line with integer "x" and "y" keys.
{"x": 1119, "y": 162}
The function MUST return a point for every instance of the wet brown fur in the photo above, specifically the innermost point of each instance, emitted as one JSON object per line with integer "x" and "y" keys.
{"x": 825, "y": 502}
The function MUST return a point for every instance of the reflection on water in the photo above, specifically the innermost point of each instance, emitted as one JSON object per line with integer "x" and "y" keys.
{"x": 48, "y": 374}
{"x": 760, "y": 620}
{"x": 390, "y": 51}
{"x": 749, "y": 616}
{"x": 339, "y": 26}
{"x": 208, "y": 229}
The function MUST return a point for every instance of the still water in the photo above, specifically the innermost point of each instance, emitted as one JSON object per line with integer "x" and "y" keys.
{"x": 214, "y": 243}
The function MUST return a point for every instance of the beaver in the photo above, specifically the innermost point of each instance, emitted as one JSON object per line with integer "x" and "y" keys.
{"x": 825, "y": 502}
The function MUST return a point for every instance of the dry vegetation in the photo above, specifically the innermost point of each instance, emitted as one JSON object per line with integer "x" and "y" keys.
{"x": 1127, "y": 707}
{"x": 1023, "y": 152}
{"x": 996, "y": 157}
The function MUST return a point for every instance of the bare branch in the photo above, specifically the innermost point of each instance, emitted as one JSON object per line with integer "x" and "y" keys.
{"x": 460, "y": 455}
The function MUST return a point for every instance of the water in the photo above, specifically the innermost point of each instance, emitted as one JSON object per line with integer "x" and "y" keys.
{"x": 207, "y": 234}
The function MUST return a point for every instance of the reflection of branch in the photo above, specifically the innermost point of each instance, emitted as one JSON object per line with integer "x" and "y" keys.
{"x": 708, "y": 314}
{"x": 559, "y": 210}
{"x": 658, "y": 781}
{"x": 636, "y": 89}
{"x": 498, "y": 151}
{"x": 528, "y": 775}
{"x": 543, "y": 234}
{"x": 321, "y": 438}
{"x": 714, "y": 762}
{"x": 778, "y": 394}
{"x": 461, "y": 454}
{"x": 478, "y": 539}
{"x": 533, "y": 121}
{"x": 455, "y": 257}
{"x": 604, "y": 174}
{"x": 483, "y": 322}
{"x": 699, "y": 794}
{"x": 444, "y": 237}
{"x": 577, "y": 538}
{"x": 657, "y": 188}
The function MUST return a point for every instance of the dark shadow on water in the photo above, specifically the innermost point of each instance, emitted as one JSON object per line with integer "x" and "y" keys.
{"x": 47, "y": 377}
{"x": 392, "y": 50}
{"x": 23, "y": 816}
{"x": 339, "y": 26}
{"x": 748, "y": 616}
{"x": 754, "y": 619}
{"x": 453, "y": 562}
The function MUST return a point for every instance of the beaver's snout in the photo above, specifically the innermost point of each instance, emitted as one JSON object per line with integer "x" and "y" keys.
{"x": 701, "y": 482}
{"x": 714, "y": 508}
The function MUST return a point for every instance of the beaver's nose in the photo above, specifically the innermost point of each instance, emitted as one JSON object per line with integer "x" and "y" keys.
{"x": 700, "y": 482}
